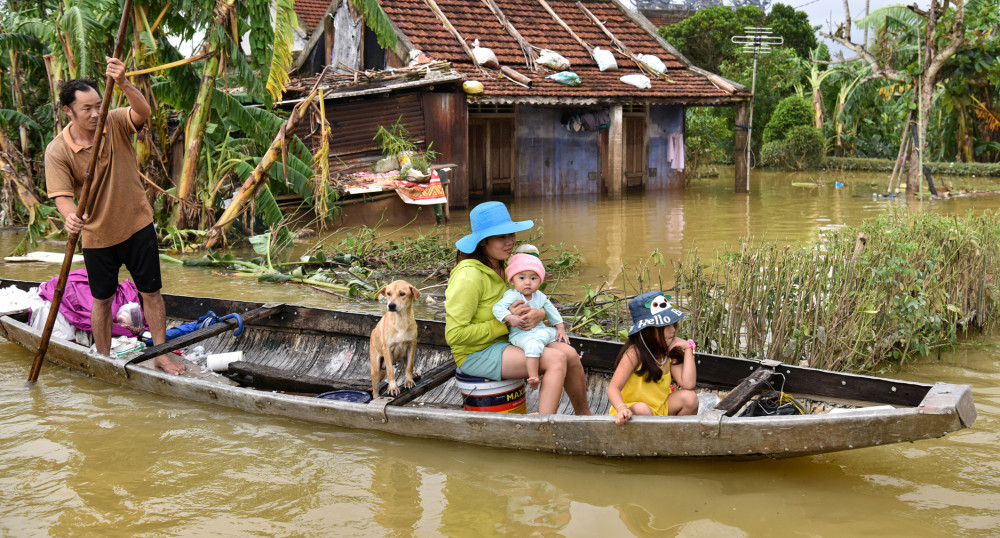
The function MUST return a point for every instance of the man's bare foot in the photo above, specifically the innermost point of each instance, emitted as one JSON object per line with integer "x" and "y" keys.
{"x": 169, "y": 365}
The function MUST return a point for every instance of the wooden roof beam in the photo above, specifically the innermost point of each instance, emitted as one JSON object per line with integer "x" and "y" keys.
{"x": 526, "y": 48}
{"x": 552, "y": 13}
{"x": 452, "y": 30}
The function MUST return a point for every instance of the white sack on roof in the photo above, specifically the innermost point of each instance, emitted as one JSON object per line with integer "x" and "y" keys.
{"x": 654, "y": 63}
{"x": 553, "y": 60}
{"x": 639, "y": 81}
{"x": 605, "y": 59}
{"x": 484, "y": 56}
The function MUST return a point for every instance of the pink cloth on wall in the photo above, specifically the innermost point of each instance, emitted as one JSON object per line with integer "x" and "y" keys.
{"x": 675, "y": 151}
{"x": 77, "y": 302}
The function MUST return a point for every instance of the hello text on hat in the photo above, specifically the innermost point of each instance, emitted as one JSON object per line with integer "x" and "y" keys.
{"x": 652, "y": 309}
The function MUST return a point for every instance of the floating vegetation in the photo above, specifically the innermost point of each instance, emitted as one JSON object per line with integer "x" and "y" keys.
{"x": 364, "y": 261}
{"x": 858, "y": 299}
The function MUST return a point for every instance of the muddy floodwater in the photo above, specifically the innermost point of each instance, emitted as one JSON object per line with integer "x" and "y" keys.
{"x": 81, "y": 457}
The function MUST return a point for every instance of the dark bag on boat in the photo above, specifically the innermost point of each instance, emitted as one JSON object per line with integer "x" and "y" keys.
{"x": 773, "y": 403}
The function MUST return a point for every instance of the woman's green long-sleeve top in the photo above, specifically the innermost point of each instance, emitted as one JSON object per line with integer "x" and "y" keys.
{"x": 470, "y": 326}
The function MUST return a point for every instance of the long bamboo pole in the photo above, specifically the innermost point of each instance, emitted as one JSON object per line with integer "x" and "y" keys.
{"x": 57, "y": 295}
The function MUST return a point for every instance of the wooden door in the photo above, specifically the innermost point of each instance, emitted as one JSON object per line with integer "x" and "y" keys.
{"x": 477, "y": 158}
{"x": 635, "y": 150}
{"x": 500, "y": 177}
{"x": 492, "y": 167}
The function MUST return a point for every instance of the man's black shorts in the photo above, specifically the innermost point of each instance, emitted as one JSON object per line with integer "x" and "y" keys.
{"x": 141, "y": 256}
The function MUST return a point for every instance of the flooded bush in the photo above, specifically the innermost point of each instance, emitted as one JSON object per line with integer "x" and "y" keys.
{"x": 855, "y": 300}
{"x": 793, "y": 111}
{"x": 801, "y": 148}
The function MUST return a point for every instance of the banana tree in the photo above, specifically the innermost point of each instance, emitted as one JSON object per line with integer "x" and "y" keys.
{"x": 816, "y": 76}
{"x": 271, "y": 43}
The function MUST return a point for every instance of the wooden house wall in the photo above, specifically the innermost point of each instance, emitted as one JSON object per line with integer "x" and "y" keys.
{"x": 663, "y": 121}
{"x": 354, "y": 122}
{"x": 446, "y": 120}
{"x": 552, "y": 160}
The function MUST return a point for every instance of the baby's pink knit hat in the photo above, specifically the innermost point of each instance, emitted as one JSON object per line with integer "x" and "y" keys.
{"x": 525, "y": 262}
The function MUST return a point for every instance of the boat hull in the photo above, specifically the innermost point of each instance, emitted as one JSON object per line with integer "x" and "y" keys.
{"x": 941, "y": 408}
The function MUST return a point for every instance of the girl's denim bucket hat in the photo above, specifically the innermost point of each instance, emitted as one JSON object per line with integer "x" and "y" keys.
{"x": 489, "y": 219}
{"x": 652, "y": 309}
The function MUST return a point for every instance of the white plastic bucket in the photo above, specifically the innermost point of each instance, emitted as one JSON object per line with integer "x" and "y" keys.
{"x": 504, "y": 396}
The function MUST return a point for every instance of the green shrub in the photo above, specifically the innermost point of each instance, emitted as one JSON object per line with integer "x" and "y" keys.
{"x": 919, "y": 282}
{"x": 791, "y": 112}
{"x": 703, "y": 133}
{"x": 773, "y": 153}
{"x": 804, "y": 147}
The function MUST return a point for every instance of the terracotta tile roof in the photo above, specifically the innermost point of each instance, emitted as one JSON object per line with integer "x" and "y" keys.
{"x": 667, "y": 19}
{"x": 310, "y": 12}
{"x": 474, "y": 20}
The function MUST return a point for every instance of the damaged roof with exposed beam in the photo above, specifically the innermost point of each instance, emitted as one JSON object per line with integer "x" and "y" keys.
{"x": 474, "y": 19}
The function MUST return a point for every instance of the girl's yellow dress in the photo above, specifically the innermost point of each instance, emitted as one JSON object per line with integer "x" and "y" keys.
{"x": 654, "y": 395}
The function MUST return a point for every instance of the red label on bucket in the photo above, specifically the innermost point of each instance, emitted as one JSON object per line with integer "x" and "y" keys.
{"x": 508, "y": 401}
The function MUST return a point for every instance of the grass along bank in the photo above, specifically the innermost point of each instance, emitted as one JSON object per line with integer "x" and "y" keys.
{"x": 886, "y": 165}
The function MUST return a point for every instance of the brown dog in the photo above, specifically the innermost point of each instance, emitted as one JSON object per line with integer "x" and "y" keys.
{"x": 395, "y": 336}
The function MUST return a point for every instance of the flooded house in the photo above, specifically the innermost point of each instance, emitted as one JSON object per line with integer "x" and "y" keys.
{"x": 522, "y": 132}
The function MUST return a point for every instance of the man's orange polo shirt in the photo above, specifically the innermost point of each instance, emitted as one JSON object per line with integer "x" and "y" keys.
{"x": 117, "y": 195}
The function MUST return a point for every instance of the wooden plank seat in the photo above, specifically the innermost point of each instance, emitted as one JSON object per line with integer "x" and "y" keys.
{"x": 267, "y": 310}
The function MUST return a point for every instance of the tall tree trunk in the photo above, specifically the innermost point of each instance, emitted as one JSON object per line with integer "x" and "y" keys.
{"x": 193, "y": 135}
{"x": 965, "y": 149}
{"x": 839, "y": 151}
{"x": 933, "y": 60}
{"x": 913, "y": 170}
{"x": 51, "y": 75}
{"x": 140, "y": 57}
{"x": 15, "y": 86}
{"x": 817, "y": 108}
{"x": 23, "y": 185}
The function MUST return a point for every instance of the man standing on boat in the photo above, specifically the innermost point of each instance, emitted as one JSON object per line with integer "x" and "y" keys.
{"x": 118, "y": 228}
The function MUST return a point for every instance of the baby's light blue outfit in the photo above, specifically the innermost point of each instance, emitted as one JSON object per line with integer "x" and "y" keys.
{"x": 534, "y": 340}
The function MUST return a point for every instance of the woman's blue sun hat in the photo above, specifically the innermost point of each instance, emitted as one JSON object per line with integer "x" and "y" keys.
{"x": 489, "y": 219}
{"x": 652, "y": 309}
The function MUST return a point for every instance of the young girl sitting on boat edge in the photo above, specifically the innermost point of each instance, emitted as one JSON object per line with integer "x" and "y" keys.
{"x": 646, "y": 364}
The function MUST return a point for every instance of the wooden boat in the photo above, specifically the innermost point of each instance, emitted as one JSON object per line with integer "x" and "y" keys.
{"x": 291, "y": 353}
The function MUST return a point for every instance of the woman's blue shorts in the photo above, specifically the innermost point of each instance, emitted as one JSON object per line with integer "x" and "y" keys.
{"x": 486, "y": 363}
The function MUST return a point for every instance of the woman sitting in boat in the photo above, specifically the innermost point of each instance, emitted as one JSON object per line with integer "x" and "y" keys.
{"x": 652, "y": 357}
{"x": 478, "y": 340}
